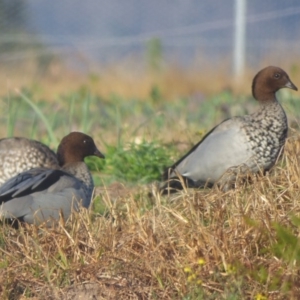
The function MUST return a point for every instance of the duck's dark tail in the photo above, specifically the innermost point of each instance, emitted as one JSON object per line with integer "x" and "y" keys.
{"x": 173, "y": 182}
{"x": 172, "y": 186}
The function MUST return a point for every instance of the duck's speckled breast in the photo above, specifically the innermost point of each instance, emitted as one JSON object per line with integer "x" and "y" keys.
{"x": 266, "y": 131}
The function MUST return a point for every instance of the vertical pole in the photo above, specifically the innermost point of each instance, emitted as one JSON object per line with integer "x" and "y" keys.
{"x": 239, "y": 38}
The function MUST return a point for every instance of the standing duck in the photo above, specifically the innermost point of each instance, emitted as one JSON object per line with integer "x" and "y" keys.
{"x": 42, "y": 194}
{"x": 239, "y": 144}
{"x": 20, "y": 154}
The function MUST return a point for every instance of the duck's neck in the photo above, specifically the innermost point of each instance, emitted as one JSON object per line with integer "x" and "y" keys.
{"x": 82, "y": 173}
{"x": 270, "y": 102}
{"x": 78, "y": 169}
{"x": 271, "y": 112}
{"x": 261, "y": 93}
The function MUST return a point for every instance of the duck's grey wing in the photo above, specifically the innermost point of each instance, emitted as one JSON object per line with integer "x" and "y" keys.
{"x": 28, "y": 182}
{"x": 61, "y": 197}
{"x": 169, "y": 170}
{"x": 224, "y": 147}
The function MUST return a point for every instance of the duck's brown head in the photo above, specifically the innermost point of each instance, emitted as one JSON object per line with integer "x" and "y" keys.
{"x": 74, "y": 147}
{"x": 268, "y": 81}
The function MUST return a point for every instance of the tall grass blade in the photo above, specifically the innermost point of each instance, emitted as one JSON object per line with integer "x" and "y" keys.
{"x": 41, "y": 116}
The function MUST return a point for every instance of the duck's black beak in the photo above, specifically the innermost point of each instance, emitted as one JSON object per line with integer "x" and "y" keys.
{"x": 290, "y": 85}
{"x": 98, "y": 153}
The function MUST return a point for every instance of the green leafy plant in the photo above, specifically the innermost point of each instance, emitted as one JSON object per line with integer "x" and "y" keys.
{"x": 287, "y": 246}
{"x": 143, "y": 162}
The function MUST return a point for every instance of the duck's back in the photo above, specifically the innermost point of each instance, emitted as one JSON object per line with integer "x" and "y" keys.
{"x": 20, "y": 154}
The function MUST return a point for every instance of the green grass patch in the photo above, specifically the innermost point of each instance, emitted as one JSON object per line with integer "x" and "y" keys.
{"x": 133, "y": 163}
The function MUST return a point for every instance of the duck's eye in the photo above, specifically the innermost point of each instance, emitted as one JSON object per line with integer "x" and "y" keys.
{"x": 276, "y": 75}
{"x": 84, "y": 141}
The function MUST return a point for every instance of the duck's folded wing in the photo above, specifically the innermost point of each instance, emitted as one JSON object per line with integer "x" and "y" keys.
{"x": 29, "y": 182}
{"x": 169, "y": 170}
{"x": 225, "y": 146}
{"x": 62, "y": 196}
{"x": 41, "y": 206}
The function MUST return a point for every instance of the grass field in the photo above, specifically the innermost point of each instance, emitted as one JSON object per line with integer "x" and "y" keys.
{"x": 196, "y": 244}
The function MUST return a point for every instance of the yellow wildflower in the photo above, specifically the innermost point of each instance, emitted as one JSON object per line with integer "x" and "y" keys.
{"x": 199, "y": 281}
{"x": 260, "y": 297}
{"x": 187, "y": 270}
{"x": 191, "y": 277}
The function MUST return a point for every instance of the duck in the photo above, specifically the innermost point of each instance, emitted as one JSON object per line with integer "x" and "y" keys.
{"x": 19, "y": 154}
{"x": 42, "y": 195}
{"x": 238, "y": 145}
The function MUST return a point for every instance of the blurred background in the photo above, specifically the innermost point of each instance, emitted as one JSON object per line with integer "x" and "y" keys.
{"x": 126, "y": 47}
{"x": 147, "y": 79}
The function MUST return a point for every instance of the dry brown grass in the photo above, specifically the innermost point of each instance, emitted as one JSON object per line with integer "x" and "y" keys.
{"x": 197, "y": 244}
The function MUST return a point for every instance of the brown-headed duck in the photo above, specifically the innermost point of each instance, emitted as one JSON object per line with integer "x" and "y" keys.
{"x": 42, "y": 194}
{"x": 239, "y": 144}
